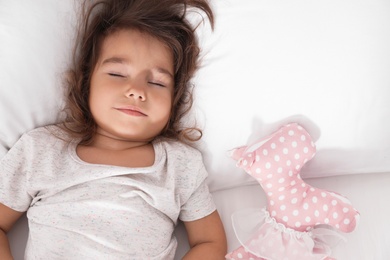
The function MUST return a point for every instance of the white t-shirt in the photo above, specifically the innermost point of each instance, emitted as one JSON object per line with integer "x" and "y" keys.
{"x": 78, "y": 210}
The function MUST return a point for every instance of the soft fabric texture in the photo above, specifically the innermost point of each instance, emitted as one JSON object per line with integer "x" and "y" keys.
{"x": 78, "y": 210}
{"x": 35, "y": 50}
{"x": 325, "y": 61}
{"x": 293, "y": 205}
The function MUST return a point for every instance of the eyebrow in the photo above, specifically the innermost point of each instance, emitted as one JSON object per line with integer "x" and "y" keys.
{"x": 126, "y": 61}
{"x": 115, "y": 60}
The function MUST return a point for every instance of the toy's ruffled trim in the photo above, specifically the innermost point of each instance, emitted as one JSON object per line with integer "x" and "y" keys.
{"x": 262, "y": 236}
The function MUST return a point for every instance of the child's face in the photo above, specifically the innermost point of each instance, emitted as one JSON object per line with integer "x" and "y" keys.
{"x": 132, "y": 86}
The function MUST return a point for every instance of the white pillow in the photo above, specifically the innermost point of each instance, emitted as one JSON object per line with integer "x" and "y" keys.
{"x": 36, "y": 42}
{"x": 322, "y": 63}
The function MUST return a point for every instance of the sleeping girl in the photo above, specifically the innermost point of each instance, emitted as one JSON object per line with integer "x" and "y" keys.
{"x": 112, "y": 180}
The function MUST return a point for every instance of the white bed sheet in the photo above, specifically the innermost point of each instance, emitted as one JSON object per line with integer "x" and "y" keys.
{"x": 369, "y": 193}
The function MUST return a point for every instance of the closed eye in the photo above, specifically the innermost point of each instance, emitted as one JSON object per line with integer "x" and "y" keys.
{"x": 116, "y": 75}
{"x": 157, "y": 84}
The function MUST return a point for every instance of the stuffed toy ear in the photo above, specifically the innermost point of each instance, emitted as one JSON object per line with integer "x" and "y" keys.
{"x": 275, "y": 162}
{"x": 236, "y": 153}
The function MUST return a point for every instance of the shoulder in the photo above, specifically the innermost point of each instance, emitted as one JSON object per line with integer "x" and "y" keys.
{"x": 45, "y": 136}
{"x": 174, "y": 148}
{"x": 183, "y": 161}
{"x": 45, "y": 131}
{"x": 35, "y": 144}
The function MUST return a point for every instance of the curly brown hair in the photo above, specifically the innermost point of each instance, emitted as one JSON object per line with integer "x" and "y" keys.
{"x": 166, "y": 20}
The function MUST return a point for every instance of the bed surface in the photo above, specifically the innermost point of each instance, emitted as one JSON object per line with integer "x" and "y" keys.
{"x": 368, "y": 192}
{"x": 324, "y": 64}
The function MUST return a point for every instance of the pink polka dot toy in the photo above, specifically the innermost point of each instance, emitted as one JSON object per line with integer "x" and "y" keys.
{"x": 300, "y": 221}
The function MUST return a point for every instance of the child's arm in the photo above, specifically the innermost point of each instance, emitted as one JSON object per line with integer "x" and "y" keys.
{"x": 207, "y": 238}
{"x": 8, "y": 217}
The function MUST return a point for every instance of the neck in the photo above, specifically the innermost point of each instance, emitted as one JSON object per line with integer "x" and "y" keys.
{"x": 106, "y": 142}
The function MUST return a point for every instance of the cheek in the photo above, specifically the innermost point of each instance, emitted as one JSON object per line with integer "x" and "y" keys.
{"x": 168, "y": 105}
{"x": 97, "y": 100}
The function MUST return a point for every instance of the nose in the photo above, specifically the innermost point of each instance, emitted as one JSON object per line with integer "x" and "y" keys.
{"x": 136, "y": 92}
{"x": 139, "y": 96}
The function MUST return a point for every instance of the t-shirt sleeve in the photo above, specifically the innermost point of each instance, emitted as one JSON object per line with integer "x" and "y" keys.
{"x": 14, "y": 178}
{"x": 200, "y": 203}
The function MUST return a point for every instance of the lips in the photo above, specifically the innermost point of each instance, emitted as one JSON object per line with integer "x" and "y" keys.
{"x": 131, "y": 110}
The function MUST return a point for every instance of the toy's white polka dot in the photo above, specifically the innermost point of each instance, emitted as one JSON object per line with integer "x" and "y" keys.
{"x": 347, "y": 221}
{"x": 239, "y": 255}
{"x": 334, "y": 202}
{"x": 294, "y": 144}
{"x": 281, "y": 180}
{"x": 307, "y": 219}
{"x": 288, "y": 162}
{"x": 293, "y": 191}
{"x": 335, "y": 215}
{"x": 265, "y": 151}
{"x": 280, "y": 170}
{"x": 297, "y": 156}
{"x": 298, "y": 167}
{"x": 291, "y": 133}
{"x": 285, "y": 151}
{"x": 294, "y": 200}
{"x": 273, "y": 145}
{"x": 271, "y": 202}
{"x": 323, "y": 194}
{"x": 325, "y": 207}
{"x": 245, "y": 162}
{"x": 285, "y": 218}
{"x": 283, "y": 207}
{"x": 304, "y": 194}
{"x": 297, "y": 224}
{"x": 305, "y": 150}
{"x": 273, "y": 213}
{"x": 282, "y": 139}
{"x": 258, "y": 170}
{"x": 282, "y": 197}
{"x": 269, "y": 176}
{"x": 316, "y": 213}
{"x": 295, "y": 212}
{"x": 303, "y": 137}
{"x": 305, "y": 206}
{"x": 314, "y": 199}
{"x": 268, "y": 165}
{"x": 326, "y": 220}
{"x": 281, "y": 189}
{"x": 292, "y": 183}
{"x": 257, "y": 158}
{"x": 277, "y": 158}
{"x": 345, "y": 210}
{"x": 269, "y": 185}
{"x": 270, "y": 193}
